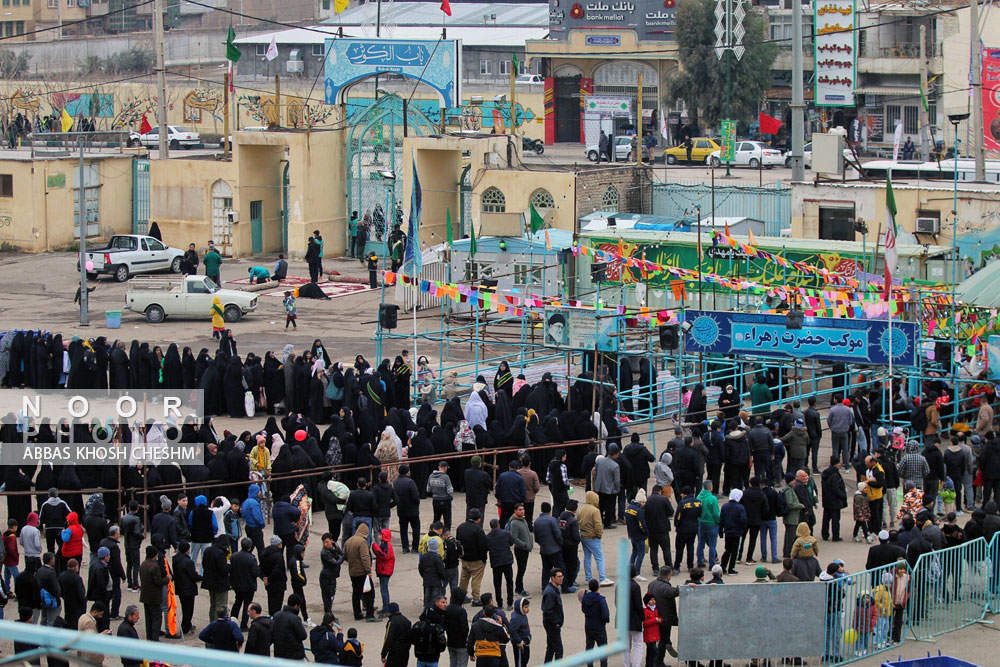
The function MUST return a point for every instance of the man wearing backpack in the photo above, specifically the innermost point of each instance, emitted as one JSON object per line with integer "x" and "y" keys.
{"x": 48, "y": 589}
{"x": 428, "y": 636}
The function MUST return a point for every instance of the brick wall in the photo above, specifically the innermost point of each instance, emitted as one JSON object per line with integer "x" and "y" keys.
{"x": 629, "y": 181}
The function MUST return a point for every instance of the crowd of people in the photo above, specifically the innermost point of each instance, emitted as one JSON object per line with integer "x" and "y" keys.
{"x": 733, "y": 477}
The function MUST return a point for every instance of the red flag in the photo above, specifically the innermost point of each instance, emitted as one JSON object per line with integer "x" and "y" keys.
{"x": 145, "y": 127}
{"x": 768, "y": 124}
{"x": 446, "y": 7}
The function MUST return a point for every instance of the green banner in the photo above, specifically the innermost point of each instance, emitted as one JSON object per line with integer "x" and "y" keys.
{"x": 728, "y": 140}
{"x": 724, "y": 261}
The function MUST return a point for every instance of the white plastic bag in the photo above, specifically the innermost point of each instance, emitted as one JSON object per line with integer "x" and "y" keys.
{"x": 367, "y": 588}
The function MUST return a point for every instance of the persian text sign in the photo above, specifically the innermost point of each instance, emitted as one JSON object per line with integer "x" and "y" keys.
{"x": 436, "y": 63}
{"x": 652, "y": 20}
{"x": 857, "y": 341}
{"x": 835, "y": 53}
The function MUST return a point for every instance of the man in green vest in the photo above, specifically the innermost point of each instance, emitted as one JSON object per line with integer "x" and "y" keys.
{"x": 212, "y": 262}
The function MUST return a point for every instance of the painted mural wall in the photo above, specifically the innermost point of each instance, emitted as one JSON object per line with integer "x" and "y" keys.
{"x": 121, "y": 106}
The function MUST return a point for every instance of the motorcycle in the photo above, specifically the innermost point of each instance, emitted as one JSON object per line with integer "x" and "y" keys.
{"x": 535, "y": 145}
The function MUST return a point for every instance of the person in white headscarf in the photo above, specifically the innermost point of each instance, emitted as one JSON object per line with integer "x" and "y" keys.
{"x": 389, "y": 452}
{"x": 476, "y": 411}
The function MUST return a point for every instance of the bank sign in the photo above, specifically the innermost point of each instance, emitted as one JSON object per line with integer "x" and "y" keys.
{"x": 652, "y": 20}
{"x": 823, "y": 338}
{"x": 434, "y": 62}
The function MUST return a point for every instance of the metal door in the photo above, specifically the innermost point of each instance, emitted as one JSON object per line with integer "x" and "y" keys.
{"x": 257, "y": 226}
{"x": 567, "y": 92}
{"x": 140, "y": 195}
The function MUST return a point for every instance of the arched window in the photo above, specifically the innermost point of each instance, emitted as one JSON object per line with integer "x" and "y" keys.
{"x": 609, "y": 200}
{"x": 493, "y": 201}
{"x": 542, "y": 199}
{"x": 222, "y": 203}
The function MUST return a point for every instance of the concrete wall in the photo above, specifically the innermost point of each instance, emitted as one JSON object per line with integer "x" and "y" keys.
{"x": 181, "y": 197}
{"x": 518, "y": 186}
{"x": 631, "y": 182}
{"x": 39, "y": 217}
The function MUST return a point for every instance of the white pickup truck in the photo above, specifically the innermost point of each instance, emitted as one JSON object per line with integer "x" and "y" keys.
{"x": 184, "y": 297}
{"x": 126, "y": 254}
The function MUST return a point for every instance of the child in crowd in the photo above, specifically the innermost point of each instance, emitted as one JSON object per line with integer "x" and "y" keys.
{"x": 354, "y": 650}
{"x": 290, "y": 313}
{"x": 650, "y": 628}
{"x": 862, "y": 512}
{"x": 947, "y": 495}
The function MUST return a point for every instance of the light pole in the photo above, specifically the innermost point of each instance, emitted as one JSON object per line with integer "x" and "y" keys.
{"x": 955, "y": 119}
{"x": 388, "y": 178}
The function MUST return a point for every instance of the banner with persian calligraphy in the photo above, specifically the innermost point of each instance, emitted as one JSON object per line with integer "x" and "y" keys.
{"x": 824, "y": 338}
{"x": 835, "y": 52}
{"x": 434, "y": 62}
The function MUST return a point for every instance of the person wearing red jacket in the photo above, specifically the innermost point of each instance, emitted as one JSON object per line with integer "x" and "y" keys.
{"x": 72, "y": 541}
{"x": 11, "y": 555}
{"x": 385, "y": 564}
{"x": 650, "y": 628}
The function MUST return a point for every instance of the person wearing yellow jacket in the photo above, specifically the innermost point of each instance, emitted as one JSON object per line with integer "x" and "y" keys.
{"x": 218, "y": 322}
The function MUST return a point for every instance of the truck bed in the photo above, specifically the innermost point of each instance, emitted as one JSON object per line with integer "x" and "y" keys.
{"x": 155, "y": 284}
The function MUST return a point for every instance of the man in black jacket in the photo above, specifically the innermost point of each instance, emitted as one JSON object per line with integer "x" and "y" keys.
{"x": 834, "y": 499}
{"x": 73, "y": 594}
{"x": 331, "y": 557}
{"x": 48, "y": 581}
{"x": 473, "y": 540}
{"x": 288, "y": 632}
{"x": 326, "y": 641}
{"x": 570, "y": 528}
{"x": 478, "y": 485}
{"x": 755, "y": 503}
{"x": 407, "y": 508}
{"x": 99, "y": 588}
{"x": 396, "y": 647}
{"x": 814, "y": 429}
{"x": 456, "y": 625}
{"x": 883, "y": 553}
{"x": 259, "y": 637}
{"x": 186, "y": 580}
{"x": 222, "y": 633}
{"x": 164, "y": 522}
{"x": 384, "y": 498}
{"x": 274, "y": 575}
{"x": 665, "y": 594}
{"x": 659, "y": 511}
{"x": 761, "y": 448}
{"x": 552, "y": 616}
{"x": 243, "y": 576}
{"x": 115, "y": 570}
{"x": 361, "y": 505}
{"x": 127, "y": 629}
{"x": 215, "y": 578}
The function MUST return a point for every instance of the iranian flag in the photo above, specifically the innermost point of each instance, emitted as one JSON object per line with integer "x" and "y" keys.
{"x": 891, "y": 254}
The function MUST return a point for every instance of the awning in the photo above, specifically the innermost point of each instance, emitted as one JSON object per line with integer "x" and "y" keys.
{"x": 982, "y": 288}
{"x": 888, "y": 91}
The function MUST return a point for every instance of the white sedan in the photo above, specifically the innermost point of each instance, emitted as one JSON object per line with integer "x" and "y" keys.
{"x": 177, "y": 137}
{"x": 752, "y": 154}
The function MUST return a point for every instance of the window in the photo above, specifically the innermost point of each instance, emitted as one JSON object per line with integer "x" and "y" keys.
{"x": 505, "y": 67}
{"x": 911, "y": 122}
{"x": 318, "y": 50}
{"x": 474, "y": 270}
{"x": 836, "y": 223}
{"x": 326, "y": 5}
{"x": 260, "y": 50}
{"x": 155, "y": 245}
{"x": 892, "y": 114}
{"x": 6, "y": 185}
{"x": 493, "y": 201}
{"x": 53, "y": 4}
{"x": 20, "y": 27}
{"x": 485, "y": 66}
{"x": 609, "y": 200}
{"x": 543, "y": 200}
{"x": 528, "y": 275}
{"x": 91, "y": 182}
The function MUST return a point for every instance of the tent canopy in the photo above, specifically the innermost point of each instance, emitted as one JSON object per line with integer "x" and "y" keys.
{"x": 981, "y": 289}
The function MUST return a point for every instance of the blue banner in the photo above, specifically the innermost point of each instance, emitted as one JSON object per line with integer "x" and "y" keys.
{"x": 434, "y": 62}
{"x": 824, "y": 338}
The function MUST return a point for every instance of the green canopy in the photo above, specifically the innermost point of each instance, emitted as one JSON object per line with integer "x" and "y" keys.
{"x": 981, "y": 289}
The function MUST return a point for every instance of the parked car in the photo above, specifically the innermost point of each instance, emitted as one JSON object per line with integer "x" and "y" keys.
{"x": 126, "y": 254}
{"x": 701, "y": 149}
{"x": 752, "y": 154}
{"x": 177, "y": 137}
{"x": 807, "y": 153}
{"x": 526, "y": 79}
{"x": 185, "y": 297}
{"x": 252, "y": 128}
{"x": 623, "y": 150}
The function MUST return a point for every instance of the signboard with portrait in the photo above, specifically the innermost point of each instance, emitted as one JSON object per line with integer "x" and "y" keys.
{"x": 580, "y": 329}
{"x": 652, "y": 20}
{"x": 835, "y": 53}
{"x": 991, "y": 99}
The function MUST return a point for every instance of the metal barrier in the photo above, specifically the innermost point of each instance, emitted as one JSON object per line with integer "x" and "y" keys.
{"x": 950, "y": 589}
{"x": 861, "y": 619}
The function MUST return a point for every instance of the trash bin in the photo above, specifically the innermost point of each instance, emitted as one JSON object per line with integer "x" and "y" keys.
{"x": 114, "y": 319}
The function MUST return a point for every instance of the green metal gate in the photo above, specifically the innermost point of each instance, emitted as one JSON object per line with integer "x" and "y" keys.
{"x": 375, "y": 163}
{"x": 257, "y": 226}
{"x": 140, "y": 195}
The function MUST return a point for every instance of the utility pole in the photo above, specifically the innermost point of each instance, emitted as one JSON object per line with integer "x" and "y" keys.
{"x": 925, "y": 121}
{"x": 638, "y": 124}
{"x": 977, "y": 93}
{"x": 81, "y": 183}
{"x": 161, "y": 79}
{"x": 798, "y": 101}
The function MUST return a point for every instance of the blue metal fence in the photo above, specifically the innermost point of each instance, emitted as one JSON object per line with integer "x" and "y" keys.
{"x": 770, "y": 203}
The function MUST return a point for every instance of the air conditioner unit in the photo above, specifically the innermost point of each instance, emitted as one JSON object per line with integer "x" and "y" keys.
{"x": 928, "y": 226}
{"x": 232, "y": 216}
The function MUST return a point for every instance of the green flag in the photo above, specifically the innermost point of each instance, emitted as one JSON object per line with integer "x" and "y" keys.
{"x": 232, "y": 52}
{"x": 537, "y": 221}
{"x": 472, "y": 240}
{"x": 447, "y": 223}
{"x": 923, "y": 99}
{"x": 513, "y": 59}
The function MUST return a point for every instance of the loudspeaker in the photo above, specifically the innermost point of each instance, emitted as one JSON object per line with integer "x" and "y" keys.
{"x": 794, "y": 319}
{"x": 942, "y": 352}
{"x": 387, "y": 315}
{"x": 670, "y": 338}
{"x": 598, "y": 272}
{"x": 612, "y": 221}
